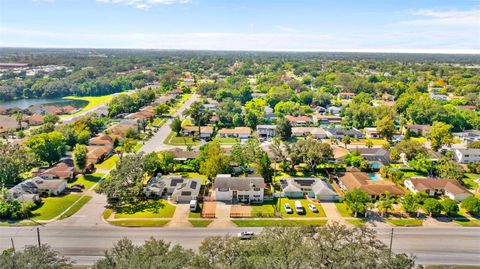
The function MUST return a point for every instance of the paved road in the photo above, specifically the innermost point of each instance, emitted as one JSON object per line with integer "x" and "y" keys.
{"x": 86, "y": 244}
{"x": 156, "y": 142}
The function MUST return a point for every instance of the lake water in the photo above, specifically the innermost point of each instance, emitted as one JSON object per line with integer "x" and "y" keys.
{"x": 25, "y": 103}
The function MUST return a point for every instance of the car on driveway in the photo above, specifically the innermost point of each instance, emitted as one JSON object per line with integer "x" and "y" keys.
{"x": 246, "y": 235}
{"x": 313, "y": 208}
{"x": 288, "y": 208}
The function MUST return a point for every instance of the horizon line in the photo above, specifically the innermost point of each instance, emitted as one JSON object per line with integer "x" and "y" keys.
{"x": 401, "y": 51}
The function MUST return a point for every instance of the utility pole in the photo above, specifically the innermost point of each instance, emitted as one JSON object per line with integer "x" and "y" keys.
{"x": 38, "y": 236}
{"x": 391, "y": 241}
{"x": 13, "y": 245}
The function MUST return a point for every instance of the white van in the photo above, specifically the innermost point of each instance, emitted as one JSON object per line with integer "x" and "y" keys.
{"x": 193, "y": 205}
{"x": 298, "y": 207}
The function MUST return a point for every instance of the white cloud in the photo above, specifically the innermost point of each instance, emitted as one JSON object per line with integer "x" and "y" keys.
{"x": 445, "y": 17}
{"x": 144, "y": 4}
{"x": 286, "y": 28}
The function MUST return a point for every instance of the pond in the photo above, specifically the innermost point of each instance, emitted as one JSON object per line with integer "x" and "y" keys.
{"x": 26, "y": 103}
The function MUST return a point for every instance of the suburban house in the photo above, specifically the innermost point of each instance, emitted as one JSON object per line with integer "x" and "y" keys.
{"x": 315, "y": 132}
{"x": 239, "y": 189}
{"x": 269, "y": 115}
{"x": 144, "y": 114}
{"x": 419, "y": 129}
{"x": 35, "y": 119}
{"x": 311, "y": 187}
{"x": 376, "y": 155}
{"x": 163, "y": 99}
{"x": 468, "y": 136}
{"x": 205, "y": 131}
{"x": 184, "y": 155}
{"x": 339, "y": 132}
{"x": 435, "y": 187}
{"x": 467, "y": 155}
{"x": 438, "y": 97}
{"x": 211, "y": 105}
{"x": 102, "y": 140}
{"x": 471, "y": 108}
{"x": 301, "y": 120}
{"x": 371, "y": 132}
{"x": 327, "y": 119}
{"x": 97, "y": 154}
{"x": 179, "y": 189}
{"x": 266, "y": 131}
{"x": 121, "y": 128}
{"x": 34, "y": 187}
{"x": 239, "y": 132}
{"x": 69, "y": 109}
{"x": 346, "y": 95}
{"x": 355, "y": 179}
{"x": 64, "y": 169}
{"x": 9, "y": 124}
{"x": 388, "y": 97}
{"x": 53, "y": 110}
{"x": 334, "y": 110}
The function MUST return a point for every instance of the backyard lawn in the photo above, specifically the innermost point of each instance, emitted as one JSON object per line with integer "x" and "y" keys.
{"x": 148, "y": 209}
{"x": 109, "y": 163}
{"x": 285, "y": 223}
{"x": 308, "y": 213}
{"x": 200, "y": 223}
{"x": 54, "y": 206}
{"x": 139, "y": 223}
{"x": 93, "y": 101}
{"x": 469, "y": 180}
{"x": 87, "y": 180}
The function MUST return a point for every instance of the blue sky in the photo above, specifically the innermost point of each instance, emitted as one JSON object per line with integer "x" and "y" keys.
{"x": 350, "y": 25}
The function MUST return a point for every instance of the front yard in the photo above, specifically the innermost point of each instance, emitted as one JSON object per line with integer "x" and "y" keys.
{"x": 406, "y": 222}
{"x": 139, "y": 223}
{"x": 87, "y": 180}
{"x": 307, "y": 212}
{"x": 54, "y": 206}
{"x": 174, "y": 140}
{"x": 109, "y": 163}
{"x": 148, "y": 209}
{"x": 284, "y": 223}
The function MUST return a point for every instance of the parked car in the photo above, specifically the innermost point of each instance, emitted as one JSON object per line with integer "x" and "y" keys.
{"x": 246, "y": 235}
{"x": 313, "y": 208}
{"x": 299, "y": 207}
{"x": 76, "y": 189}
{"x": 288, "y": 208}
{"x": 81, "y": 186}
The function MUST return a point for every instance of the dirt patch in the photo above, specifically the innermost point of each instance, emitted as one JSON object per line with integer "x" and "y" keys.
{"x": 209, "y": 209}
{"x": 239, "y": 211}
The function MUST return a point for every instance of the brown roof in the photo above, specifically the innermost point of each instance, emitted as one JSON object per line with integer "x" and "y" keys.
{"x": 298, "y": 119}
{"x": 53, "y": 110}
{"x": 122, "y": 128}
{"x": 61, "y": 170}
{"x": 101, "y": 140}
{"x": 355, "y": 179}
{"x": 35, "y": 119}
{"x": 69, "y": 109}
{"x": 451, "y": 185}
{"x": 236, "y": 130}
{"x": 96, "y": 152}
{"x": 144, "y": 114}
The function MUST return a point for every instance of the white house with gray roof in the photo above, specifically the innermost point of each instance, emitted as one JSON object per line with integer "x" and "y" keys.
{"x": 239, "y": 189}
{"x": 467, "y": 155}
{"x": 179, "y": 189}
{"x": 311, "y": 187}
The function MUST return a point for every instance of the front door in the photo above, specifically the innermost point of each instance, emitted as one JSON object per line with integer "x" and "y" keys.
{"x": 234, "y": 196}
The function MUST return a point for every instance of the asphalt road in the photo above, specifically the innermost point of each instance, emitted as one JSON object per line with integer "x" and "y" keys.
{"x": 156, "y": 142}
{"x": 85, "y": 244}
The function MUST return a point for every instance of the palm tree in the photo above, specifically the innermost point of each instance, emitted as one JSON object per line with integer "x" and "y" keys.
{"x": 19, "y": 118}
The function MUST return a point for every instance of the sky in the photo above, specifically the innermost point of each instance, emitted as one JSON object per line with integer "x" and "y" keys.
{"x": 298, "y": 25}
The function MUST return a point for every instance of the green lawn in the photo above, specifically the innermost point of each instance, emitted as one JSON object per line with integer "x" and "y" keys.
{"x": 107, "y": 213}
{"x": 137, "y": 147}
{"x": 406, "y": 222}
{"x": 139, "y": 223}
{"x": 18, "y": 223}
{"x": 286, "y": 223}
{"x": 76, "y": 207}
{"x": 158, "y": 122}
{"x": 469, "y": 180}
{"x": 467, "y": 222}
{"x": 343, "y": 210}
{"x": 200, "y": 223}
{"x": 308, "y": 213}
{"x": 175, "y": 140}
{"x": 265, "y": 210}
{"x": 88, "y": 180}
{"x": 54, "y": 206}
{"x": 108, "y": 163}
{"x": 226, "y": 140}
{"x": 93, "y": 101}
{"x": 357, "y": 222}
{"x": 148, "y": 209}
{"x": 420, "y": 140}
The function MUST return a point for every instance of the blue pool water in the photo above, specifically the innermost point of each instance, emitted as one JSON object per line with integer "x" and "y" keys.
{"x": 373, "y": 176}
{"x": 375, "y": 165}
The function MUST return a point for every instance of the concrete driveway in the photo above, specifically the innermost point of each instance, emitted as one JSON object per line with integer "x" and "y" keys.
{"x": 222, "y": 216}
{"x": 180, "y": 217}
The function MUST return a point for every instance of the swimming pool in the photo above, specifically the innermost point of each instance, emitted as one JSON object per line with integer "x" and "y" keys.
{"x": 375, "y": 165}
{"x": 373, "y": 176}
